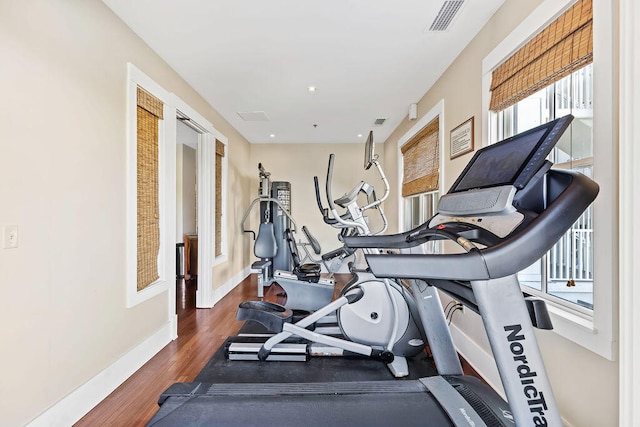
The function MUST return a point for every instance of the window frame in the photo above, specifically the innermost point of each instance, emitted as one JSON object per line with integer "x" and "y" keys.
{"x": 222, "y": 257}
{"x": 598, "y": 331}
{"x": 550, "y": 97}
{"x": 135, "y": 79}
{"x": 436, "y": 111}
{"x": 206, "y": 296}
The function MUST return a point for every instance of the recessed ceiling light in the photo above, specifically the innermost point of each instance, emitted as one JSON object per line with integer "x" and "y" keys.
{"x": 273, "y": 135}
{"x": 359, "y": 135}
{"x": 312, "y": 88}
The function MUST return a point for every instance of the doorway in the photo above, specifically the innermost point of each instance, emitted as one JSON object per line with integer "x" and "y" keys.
{"x": 187, "y": 138}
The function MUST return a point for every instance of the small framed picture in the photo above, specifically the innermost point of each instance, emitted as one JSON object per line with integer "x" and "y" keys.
{"x": 462, "y": 139}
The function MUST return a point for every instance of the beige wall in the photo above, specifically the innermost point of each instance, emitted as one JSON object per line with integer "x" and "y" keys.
{"x": 577, "y": 375}
{"x": 298, "y": 164}
{"x": 62, "y": 138}
{"x": 63, "y": 182}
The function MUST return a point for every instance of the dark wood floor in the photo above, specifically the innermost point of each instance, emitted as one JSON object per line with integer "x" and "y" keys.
{"x": 200, "y": 333}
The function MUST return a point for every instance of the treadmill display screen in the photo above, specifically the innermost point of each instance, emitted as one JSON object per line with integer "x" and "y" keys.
{"x": 512, "y": 161}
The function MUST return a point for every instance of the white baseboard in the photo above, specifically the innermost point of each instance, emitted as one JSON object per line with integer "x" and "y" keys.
{"x": 79, "y": 402}
{"x": 229, "y": 285}
{"x": 478, "y": 358}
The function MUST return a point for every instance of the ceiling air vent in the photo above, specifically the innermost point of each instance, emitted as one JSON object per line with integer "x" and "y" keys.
{"x": 445, "y": 16}
{"x": 253, "y": 116}
{"x": 379, "y": 122}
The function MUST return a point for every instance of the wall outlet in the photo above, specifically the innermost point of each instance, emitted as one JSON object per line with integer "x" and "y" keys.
{"x": 10, "y": 236}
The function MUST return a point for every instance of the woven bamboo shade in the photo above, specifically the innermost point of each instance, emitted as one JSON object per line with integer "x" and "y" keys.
{"x": 150, "y": 103}
{"x": 560, "y": 49}
{"x": 148, "y": 212}
{"x": 218, "y": 213}
{"x": 421, "y": 161}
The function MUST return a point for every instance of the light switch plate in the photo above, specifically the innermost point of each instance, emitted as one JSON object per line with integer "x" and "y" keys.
{"x": 10, "y": 236}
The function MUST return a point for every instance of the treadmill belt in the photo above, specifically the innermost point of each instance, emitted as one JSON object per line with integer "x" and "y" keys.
{"x": 324, "y": 391}
{"x": 372, "y": 403}
{"x": 323, "y": 410}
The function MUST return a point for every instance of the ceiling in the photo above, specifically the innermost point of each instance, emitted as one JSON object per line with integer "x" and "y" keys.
{"x": 368, "y": 59}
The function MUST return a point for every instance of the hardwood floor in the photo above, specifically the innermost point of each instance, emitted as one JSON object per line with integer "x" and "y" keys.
{"x": 200, "y": 333}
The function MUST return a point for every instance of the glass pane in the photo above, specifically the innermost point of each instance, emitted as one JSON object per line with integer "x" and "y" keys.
{"x": 567, "y": 271}
{"x": 532, "y": 276}
{"x": 570, "y": 274}
{"x": 415, "y": 212}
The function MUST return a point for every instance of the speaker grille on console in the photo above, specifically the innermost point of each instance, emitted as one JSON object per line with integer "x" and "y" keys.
{"x": 469, "y": 202}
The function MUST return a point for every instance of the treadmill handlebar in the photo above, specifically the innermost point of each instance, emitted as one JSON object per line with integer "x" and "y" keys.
{"x": 572, "y": 193}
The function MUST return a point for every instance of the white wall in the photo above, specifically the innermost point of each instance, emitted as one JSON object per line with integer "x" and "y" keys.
{"x": 186, "y": 150}
{"x": 63, "y": 315}
{"x": 299, "y": 163}
{"x": 186, "y": 201}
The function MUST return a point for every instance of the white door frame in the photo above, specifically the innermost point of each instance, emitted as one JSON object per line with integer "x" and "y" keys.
{"x": 205, "y": 179}
{"x": 629, "y": 297}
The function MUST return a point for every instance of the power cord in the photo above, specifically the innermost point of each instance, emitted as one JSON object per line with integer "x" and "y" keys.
{"x": 452, "y": 310}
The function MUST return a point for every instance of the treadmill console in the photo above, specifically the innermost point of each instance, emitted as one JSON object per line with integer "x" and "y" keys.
{"x": 487, "y": 186}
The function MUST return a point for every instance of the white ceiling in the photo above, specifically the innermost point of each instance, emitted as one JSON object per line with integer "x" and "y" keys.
{"x": 369, "y": 59}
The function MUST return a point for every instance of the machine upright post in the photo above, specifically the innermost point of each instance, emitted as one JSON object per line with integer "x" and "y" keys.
{"x": 515, "y": 349}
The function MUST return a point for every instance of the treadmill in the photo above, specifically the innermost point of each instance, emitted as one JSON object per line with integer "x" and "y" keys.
{"x": 505, "y": 211}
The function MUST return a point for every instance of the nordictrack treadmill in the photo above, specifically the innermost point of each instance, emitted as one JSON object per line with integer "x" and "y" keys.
{"x": 505, "y": 211}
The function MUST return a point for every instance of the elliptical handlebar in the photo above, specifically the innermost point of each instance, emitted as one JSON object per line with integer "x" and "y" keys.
{"x": 346, "y": 220}
{"x": 334, "y": 212}
{"x": 324, "y": 211}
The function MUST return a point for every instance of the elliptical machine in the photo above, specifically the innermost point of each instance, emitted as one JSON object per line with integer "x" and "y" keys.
{"x": 375, "y": 317}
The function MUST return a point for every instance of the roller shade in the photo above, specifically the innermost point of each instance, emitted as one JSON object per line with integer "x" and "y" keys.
{"x": 149, "y": 112}
{"x": 560, "y": 49}
{"x": 218, "y": 219}
{"x": 421, "y": 160}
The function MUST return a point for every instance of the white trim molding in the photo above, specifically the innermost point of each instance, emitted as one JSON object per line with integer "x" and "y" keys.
{"x": 79, "y": 402}
{"x": 207, "y": 260}
{"x": 206, "y": 219}
{"x": 629, "y": 377}
{"x": 167, "y": 129}
{"x": 230, "y": 284}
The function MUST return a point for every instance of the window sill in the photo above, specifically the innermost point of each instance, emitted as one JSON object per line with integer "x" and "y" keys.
{"x": 582, "y": 330}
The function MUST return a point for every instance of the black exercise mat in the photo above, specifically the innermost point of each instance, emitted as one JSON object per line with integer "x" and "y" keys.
{"x": 319, "y": 369}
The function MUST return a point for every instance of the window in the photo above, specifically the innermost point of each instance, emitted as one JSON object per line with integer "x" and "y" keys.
{"x": 421, "y": 165}
{"x": 566, "y": 273}
{"x": 594, "y": 329}
{"x": 219, "y": 206}
{"x": 148, "y": 116}
{"x": 148, "y": 236}
{"x": 421, "y": 161}
{"x": 420, "y": 168}
{"x": 419, "y": 208}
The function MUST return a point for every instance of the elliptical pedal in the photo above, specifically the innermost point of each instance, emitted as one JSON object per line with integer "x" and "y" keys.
{"x": 272, "y": 316}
